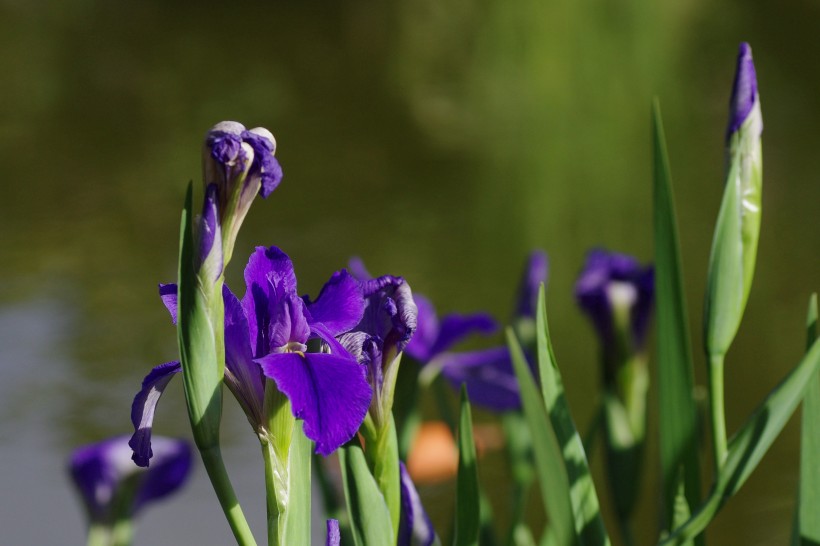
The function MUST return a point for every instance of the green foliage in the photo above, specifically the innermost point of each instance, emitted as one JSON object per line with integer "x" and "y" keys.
{"x": 677, "y": 413}
{"x": 468, "y": 512}
{"x": 369, "y": 518}
{"x": 749, "y": 445}
{"x": 589, "y": 524}
{"x": 549, "y": 459}
{"x": 807, "y": 525}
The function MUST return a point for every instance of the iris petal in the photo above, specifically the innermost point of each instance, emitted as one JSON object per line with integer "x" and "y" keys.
{"x": 333, "y": 535}
{"x": 340, "y": 304}
{"x": 168, "y": 294}
{"x": 488, "y": 375}
{"x": 454, "y": 328}
{"x": 144, "y": 406}
{"x": 415, "y": 527}
{"x": 243, "y": 376}
{"x": 329, "y": 393}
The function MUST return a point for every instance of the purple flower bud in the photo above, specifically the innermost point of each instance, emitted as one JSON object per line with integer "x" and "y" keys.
{"x": 744, "y": 90}
{"x": 240, "y": 164}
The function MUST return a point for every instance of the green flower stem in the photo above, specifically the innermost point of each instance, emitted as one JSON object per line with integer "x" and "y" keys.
{"x": 99, "y": 534}
{"x": 287, "y": 456}
{"x": 215, "y": 466}
{"x": 717, "y": 411}
{"x": 123, "y": 533}
{"x": 271, "y": 486}
{"x": 382, "y": 454}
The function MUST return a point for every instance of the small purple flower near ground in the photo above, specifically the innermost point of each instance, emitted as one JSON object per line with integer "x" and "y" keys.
{"x": 113, "y": 487}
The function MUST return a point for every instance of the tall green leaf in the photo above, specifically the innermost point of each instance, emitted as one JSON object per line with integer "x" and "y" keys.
{"x": 369, "y": 518}
{"x": 468, "y": 509}
{"x": 589, "y": 524}
{"x": 549, "y": 460}
{"x": 677, "y": 412}
{"x": 807, "y": 530}
{"x": 749, "y": 445}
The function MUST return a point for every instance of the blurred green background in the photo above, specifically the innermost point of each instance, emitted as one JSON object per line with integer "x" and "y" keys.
{"x": 437, "y": 139}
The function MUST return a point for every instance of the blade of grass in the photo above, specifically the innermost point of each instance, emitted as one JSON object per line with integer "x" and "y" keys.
{"x": 589, "y": 524}
{"x": 677, "y": 412}
{"x": 549, "y": 460}
{"x": 468, "y": 509}
{"x": 807, "y": 530}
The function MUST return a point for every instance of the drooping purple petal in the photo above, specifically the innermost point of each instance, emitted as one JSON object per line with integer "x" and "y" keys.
{"x": 333, "y": 535}
{"x": 100, "y": 470}
{"x": 242, "y": 374}
{"x": 535, "y": 273}
{"x": 264, "y": 163}
{"x": 168, "y": 293}
{"x": 144, "y": 406}
{"x": 340, "y": 304}
{"x": 329, "y": 393}
{"x": 744, "y": 90}
{"x": 488, "y": 374}
{"x": 172, "y": 466}
{"x": 455, "y": 327}
{"x": 415, "y": 527}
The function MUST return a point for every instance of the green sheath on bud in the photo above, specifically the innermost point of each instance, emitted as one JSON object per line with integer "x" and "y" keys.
{"x": 734, "y": 247}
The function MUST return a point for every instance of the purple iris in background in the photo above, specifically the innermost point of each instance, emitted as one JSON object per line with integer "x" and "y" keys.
{"x": 113, "y": 488}
{"x": 266, "y": 335}
{"x": 616, "y": 293}
{"x": 488, "y": 373}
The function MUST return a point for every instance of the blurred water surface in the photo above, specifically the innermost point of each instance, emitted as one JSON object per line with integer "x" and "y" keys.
{"x": 437, "y": 139}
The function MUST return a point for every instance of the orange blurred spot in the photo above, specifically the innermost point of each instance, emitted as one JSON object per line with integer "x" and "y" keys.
{"x": 433, "y": 457}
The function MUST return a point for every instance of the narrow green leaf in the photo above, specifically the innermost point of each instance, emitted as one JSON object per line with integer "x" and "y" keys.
{"x": 749, "y": 445}
{"x": 807, "y": 531}
{"x": 468, "y": 508}
{"x": 369, "y": 517}
{"x": 549, "y": 460}
{"x": 589, "y": 524}
{"x": 677, "y": 411}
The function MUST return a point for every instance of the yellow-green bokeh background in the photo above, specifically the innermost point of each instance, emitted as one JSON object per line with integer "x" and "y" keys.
{"x": 438, "y": 139}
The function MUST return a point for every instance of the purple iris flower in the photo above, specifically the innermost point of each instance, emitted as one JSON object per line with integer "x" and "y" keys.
{"x": 415, "y": 527}
{"x": 377, "y": 341}
{"x": 112, "y": 487}
{"x": 266, "y": 335}
{"x": 616, "y": 293}
{"x": 433, "y": 336}
{"x": 488, "y": 373}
